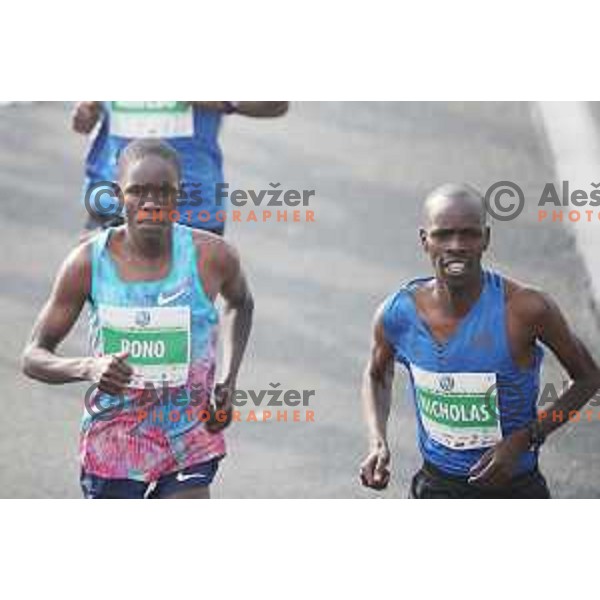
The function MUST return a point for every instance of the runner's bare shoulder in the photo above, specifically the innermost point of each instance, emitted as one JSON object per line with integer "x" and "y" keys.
{"x": 217, "y": 258}
{"x": 528, "y": 304}
{"x": 393, "y": 316}
{"x": 75, "y": 272}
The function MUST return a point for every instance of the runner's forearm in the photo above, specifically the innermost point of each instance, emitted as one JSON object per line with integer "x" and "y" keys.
{"x": 262, "y": 109}
{"x": 573, "y": 399}
{"x": 377, "y": 399}
{"x": 41, "y": 364}
{"x": 248, "y": 109}
{"x": 238, "y": 323}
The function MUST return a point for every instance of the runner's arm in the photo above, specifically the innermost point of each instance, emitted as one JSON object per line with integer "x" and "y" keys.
{"x": 262, "y": 109}
{"x": 377, "y": 396}
{"x": 554, "y": 332}
{"x": 248, "y": 109}
{"x": 377, "y": 384}
{"x": 54, "y": 322}
{"x": 547, "y": 323}
{"x": 239, "y": 308}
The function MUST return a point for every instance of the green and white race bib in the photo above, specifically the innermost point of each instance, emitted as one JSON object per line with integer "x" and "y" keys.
{"x": 151, "y": 119}
{"x": 458, "y": 410}
{"x": 157, "y": 339}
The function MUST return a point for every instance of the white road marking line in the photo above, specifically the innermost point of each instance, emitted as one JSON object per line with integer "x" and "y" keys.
{"x": 572, "y": 137}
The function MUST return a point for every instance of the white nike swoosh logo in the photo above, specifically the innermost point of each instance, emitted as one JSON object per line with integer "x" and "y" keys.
{"x": 162, "y": 299}
{"x": 181, "y": 477}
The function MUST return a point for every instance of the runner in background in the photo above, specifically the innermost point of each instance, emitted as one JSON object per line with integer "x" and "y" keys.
{"x": 470, "y": 340}
{"x": 192, "y": 128}
{"x": 149, "y": 427}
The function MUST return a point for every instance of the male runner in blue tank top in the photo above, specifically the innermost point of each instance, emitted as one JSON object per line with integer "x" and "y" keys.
{"x": 192, "y": 128}
{"x": 470, "y": 340}
{"x": 149, "y": 428}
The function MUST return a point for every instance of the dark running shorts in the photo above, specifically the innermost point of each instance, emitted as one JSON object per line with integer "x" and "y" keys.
{"x": 202, "y": 475}
{"x": 430, "y": 482}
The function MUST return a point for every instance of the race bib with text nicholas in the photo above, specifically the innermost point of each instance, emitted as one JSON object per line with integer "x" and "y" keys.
{"x": 458, "y": 410}
{"x": 151, "y": 119}
{"x": 157, "y": 339}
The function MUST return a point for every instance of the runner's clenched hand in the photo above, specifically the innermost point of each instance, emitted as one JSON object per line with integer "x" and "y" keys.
{"x": 496, "y": 467}
{"x": 85, "y": 116}
{"x": 111, "y": 372}
{"x": 374, "y": 472}
{"x": 221, "y": 408}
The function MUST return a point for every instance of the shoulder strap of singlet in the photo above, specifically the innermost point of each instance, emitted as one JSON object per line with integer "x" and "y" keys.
{"x": 191, "y": 255}
{"x": 396, "y": 311}
{"x": 97, "y": 248}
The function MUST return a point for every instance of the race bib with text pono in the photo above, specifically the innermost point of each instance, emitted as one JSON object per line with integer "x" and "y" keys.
{"x": 157, "y": 339}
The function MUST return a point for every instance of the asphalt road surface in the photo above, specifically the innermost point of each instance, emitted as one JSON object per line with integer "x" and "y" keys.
{"x": 316, "y": 285}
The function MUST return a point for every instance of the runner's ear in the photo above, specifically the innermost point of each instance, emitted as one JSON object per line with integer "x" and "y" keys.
{"x": 487, "y": 235}
{"x": 423, "y": 238}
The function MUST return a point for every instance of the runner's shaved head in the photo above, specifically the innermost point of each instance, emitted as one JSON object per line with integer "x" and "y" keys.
{"x": 459, "y": 196}
{"x": 140, "y": 149}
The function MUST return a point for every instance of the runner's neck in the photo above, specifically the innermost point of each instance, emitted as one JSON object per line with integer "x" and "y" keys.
{"x": 457, "y": 301}
{"x": 141, "y": 247}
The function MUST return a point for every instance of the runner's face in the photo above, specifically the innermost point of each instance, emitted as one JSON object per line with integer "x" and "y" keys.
{"x": 455, "y": 239}
{"x": 150, "y": 188}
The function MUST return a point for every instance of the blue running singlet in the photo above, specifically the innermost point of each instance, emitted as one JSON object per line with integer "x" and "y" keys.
{"x": 468, "y": 392}
{"x": 193, "y": 133}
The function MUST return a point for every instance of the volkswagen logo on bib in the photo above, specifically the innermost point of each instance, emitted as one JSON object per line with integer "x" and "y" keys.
{"x": 142, "y": 318}
{"x": 446, "y": 383}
